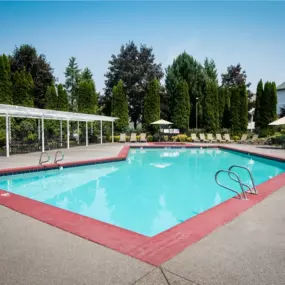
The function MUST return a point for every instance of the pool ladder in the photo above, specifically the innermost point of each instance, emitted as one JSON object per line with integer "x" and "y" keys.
{"x": 236, "y": 178}
{"x": 56, "y": 158}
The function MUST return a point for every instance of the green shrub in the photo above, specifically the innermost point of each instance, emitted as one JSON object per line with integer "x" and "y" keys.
{"x": 181, "y": 138}
{"x": 165, "y": 138}
{"x": 189, "y": 139}
{"x": 149, "y": 138}
{"x": 138, "y": 138}
{"x": 155, "y": 137}
{"x": 236, "y": 138}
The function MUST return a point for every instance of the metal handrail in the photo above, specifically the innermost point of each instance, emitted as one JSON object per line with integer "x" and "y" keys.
{"x": 60, "y": 159}
{"x": 44, "y": 161}
{"x": 253, "y": 189}
{"x": 226, "y": 187}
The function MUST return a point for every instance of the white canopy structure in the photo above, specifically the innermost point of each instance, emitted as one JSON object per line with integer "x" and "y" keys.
{"x": 161, "y": 122}
{"x": 9, "y": 111}
{"x": 278, "y": 122}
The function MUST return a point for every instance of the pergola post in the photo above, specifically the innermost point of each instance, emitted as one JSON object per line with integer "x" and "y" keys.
{"x": 77, "y": 132}
{"x": 39, "y": 129}
{"x": 91, "y": 131}
{"x": 43, "y": 135}
{"x": 101, "y": 132}
{"x": 86, "y": 133}
{"x": 7, "y": 136}
{"x": 112, "y": 132}
{"x": 60, "y": 132}
{"x": 10, "y": 130}
{"x": 67, "y": 133}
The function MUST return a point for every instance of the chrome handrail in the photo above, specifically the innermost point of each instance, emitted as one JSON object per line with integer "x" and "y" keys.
{"x": 226, "y": 187}
{"x": 60, "y": 159}
{"x": 253, "y": 189}
{"x": 44, "y": 161}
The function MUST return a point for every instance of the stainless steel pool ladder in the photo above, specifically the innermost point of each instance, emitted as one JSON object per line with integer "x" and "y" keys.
{"x": 41, "y": 161}
{"x": 237, "y": 179}
{"x": 56, "y": 160}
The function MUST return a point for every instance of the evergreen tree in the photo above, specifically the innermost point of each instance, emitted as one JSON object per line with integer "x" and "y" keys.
{"x": 210, "y": 107}
{"x": 211, "y": 70}
{"x": 86, "y": 95}
{"x": 5, "y": 81}
{"x": 51, "y": 98}
{"x": 120, "y": 107}
{"x": 23, "y": 89}
{"x": 257, "y": 111}
{"x": 86, "y": 75}
{"x": 265, "y": 110}
{"x": 62, "y": 98}
{"x": 72, "y": 75}
{"x": 222, "y": 103}
{"x": 243, "y": 108}
{"x": 273, "y": 101}
{"x": 235, "y": 110}
{"x": 181, "y": 109}
{"x": 227, "y": 111}
{"x": 151, "y": 105}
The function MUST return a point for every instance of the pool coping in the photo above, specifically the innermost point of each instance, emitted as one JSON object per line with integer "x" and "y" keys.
{"x": 153, "y": 250}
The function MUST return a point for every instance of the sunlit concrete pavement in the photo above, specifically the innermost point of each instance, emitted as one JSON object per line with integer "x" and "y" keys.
{"x": 248, "y": 250}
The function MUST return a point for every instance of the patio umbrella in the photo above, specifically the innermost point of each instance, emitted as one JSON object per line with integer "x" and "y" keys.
{"x": 278, "y": 122}
{"x": 161, "y": 122}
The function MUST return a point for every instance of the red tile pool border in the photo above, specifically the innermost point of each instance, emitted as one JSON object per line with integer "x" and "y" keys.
{"x": 153, "y": 250}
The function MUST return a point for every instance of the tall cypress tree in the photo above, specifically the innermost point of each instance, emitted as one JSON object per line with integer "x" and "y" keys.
{"x": 235, "y": 110}
{"x": 23, "y": 89}
{"x": 5, "y": 81}
{"x": 273, "y": 101}
{"x": 222, "y": 104}
{"x": 265, "y": 103}
{"x": 181, "y": 109}
{"x": 210, "y": 108}
{"x": 86, "y": 97}
{"x": 62, "y": 98}
{"x": 151, "y": 105}
{"x": 243, "y": 108}
{"x": 51, "y": 98}
{"x": 257, "y": 111}
{"x": 120, "y": 107}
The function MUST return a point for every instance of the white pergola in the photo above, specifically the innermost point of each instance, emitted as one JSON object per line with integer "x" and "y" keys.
{"x": 9, "y": 111}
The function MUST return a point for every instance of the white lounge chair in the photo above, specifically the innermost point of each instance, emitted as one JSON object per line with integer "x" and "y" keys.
{"x": 194, "y": 138}
{"x": 143, "y": 137}
{"x": 202, "y": 138}
{"x": 228, "y": 138}
{"x": 219, "y": 138}
{"x": 211, "y": 138}
{"x": 122, "y": 138}
{"x": 133, "y": 137}
{"x": 243, "y": 138}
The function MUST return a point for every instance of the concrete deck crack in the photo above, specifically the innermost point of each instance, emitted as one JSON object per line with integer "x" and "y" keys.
{"x": 194, "y": 282}
{"x": 164, "y": 275}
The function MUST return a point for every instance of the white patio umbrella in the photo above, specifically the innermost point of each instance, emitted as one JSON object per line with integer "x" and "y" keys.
{"x": 278, "y": 122}
{"x": 161, "y": 122}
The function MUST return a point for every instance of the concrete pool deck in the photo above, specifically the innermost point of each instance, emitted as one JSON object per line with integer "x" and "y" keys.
{"x": 248, "y": 250}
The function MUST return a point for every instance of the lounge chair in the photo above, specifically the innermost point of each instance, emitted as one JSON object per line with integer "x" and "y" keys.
{"x": 133, "y": 137}
{"x": 219, "y": 138}
{"x": 143, "y": 137}
{"x": 228, "y": 138}
{"x": 253, "y": 139}
{"x": 122, "y": 138}
{"x": 194, "y": 138}
{"x": 211, "y": 138}
{"x": 202, "y": 138}
{"x": 243, "y": 138}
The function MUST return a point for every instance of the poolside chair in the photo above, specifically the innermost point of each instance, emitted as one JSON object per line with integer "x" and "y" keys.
{"x": 143, "y": 137}
{"x": 194, "y": 138}
{"x": 253, "y": 139}
{"x": 219, "y": 138}
{"x": 202, "y": 138}
{"x": 211, "y": 138}
{"x": 122, "y": 138}
{"x": 133, "y": 137}
{"x": 228, "y": 138}
{"x": 243, "y": 139}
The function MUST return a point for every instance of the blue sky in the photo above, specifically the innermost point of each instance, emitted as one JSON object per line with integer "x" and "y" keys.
{"x": 250, "y": 33}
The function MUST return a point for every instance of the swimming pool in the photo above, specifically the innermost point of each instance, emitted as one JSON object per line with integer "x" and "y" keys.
{"x": 150, "y": 192}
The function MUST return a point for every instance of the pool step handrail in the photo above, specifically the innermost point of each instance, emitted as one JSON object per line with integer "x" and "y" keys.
{"x": 251, "y": 190}
{"x": 56, "y": 159}
{"x": 243, "y": 196}
{"x": 41, "y": 161}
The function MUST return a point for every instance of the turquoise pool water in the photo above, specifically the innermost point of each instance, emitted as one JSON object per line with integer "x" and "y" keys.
{"x": 150, "y": 192}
